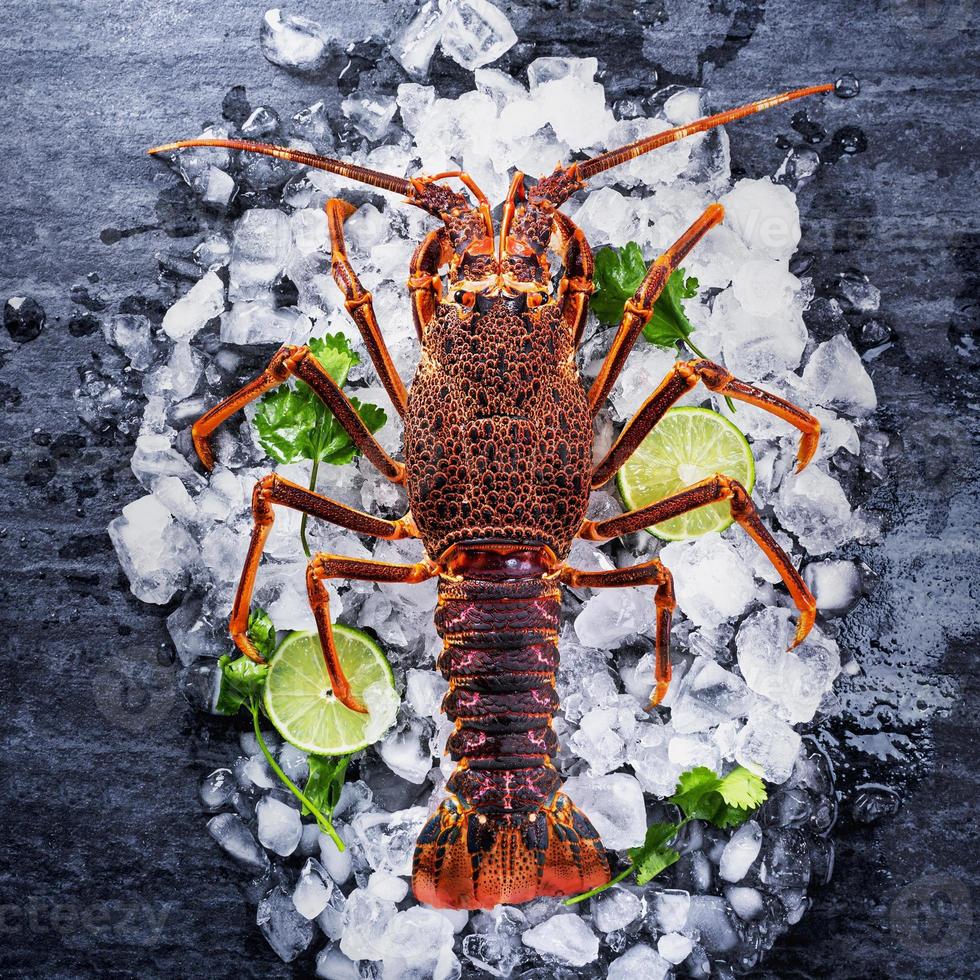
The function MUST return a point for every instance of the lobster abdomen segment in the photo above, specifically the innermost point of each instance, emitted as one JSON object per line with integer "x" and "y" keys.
{"x": 506, "y": 833}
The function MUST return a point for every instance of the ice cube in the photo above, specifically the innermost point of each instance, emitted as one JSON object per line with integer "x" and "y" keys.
{"x": 859, "y": 293}
{"x": 740, "y": 851}
{"x": 551, "y": 69}
{"x": 837, "y": 585}
{"x": 331, "y": 964}
{"x": 154, "y": 457}
{"x": 416, "y": 44}
{"x": 787, "y": 863}
{"x": 498, "y": 86}
{"x": 476, "y": 33}
{"x": 611, "y": 615}
{"x": 337, "y": 862}
{"x": 236, "y": 840}
{"x": 313, "y": 890}
{"x": 765, "y": 216}
{"x": 755, "y": 346}
{"x": 813, "y": 506}
{"x": 418, "y": 942}
{"x": 566, "y": 937}
{"x": 280, "y": 827}
{"x": 386, "y": 886}
{"x": 365, "y": 925}
{"x": 710, "y": 918}
{"x": 747, "y": 903}
{"x": 406, "y": 751}
{"x": 649, "y": 757}
{"x": 712, "y": 582}
{"x": 285, "y": 930}
{"x": 202, "y": 302}
{"x": 764, "y": 287}
{"x": 333, "y": 918}
{"x": 294, "y": 763}
{"x": 261, "y": 322}
{"x": 709, "y": 696}
{"x": 768, "y": 747}
{"x": 292, "y": 42}
{"x": 795, "y": 679}
{"x": 217, "y": 789}
{"x": 388, "y": 839}
{"x": 603, "y": 734}
{"x": 608, "y": 217}
{"x": 640, "y": 960}
{"x": 371, "y": 117}
{"x": 131, "y": 334}
{"x": 424, "y": 691}
{"x": 614, "y": 804}
{"x": 576, "y": 110}
{"x": 674, "y": 947}
{"x": 671, "y": 907}
{"x": 615, "y": 908}
{"x": 154, "y": 551}
{"x": 836, "y": 378}
{"x": 495, "y": 945}
{"x": 259, "y": 252}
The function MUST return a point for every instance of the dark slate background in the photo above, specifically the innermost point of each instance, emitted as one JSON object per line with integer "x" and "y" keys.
{"x": 106, "y": 869}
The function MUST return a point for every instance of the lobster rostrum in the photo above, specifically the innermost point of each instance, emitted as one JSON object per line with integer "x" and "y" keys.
{"x": 498, "y": 469}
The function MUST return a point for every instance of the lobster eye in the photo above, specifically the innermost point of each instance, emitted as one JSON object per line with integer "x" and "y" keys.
{"x": 465, "y": 298}
{"x": 536, "y": 299}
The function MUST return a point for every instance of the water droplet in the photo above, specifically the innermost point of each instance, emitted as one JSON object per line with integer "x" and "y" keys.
{"x": 846, "y": 87}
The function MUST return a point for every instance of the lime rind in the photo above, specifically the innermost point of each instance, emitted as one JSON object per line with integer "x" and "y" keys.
{"x": 299, "y": 702}
{"x": 689, "y": 444}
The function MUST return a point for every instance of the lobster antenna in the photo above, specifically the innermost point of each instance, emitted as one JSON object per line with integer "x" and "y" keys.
{"x": 388, "y": 182}
{"x": 613, "y": 158}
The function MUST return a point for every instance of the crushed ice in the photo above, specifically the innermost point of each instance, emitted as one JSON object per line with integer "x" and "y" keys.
{"x": 737, "y": 696}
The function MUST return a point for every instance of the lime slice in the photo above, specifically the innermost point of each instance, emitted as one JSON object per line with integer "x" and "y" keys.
{"x": 300, "y": 703}
{"x": 687, "y": 445}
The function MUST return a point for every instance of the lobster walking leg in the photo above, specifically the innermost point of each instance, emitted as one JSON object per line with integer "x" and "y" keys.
{"x": 274, "y": 489}
{"x": 639, "y": 309}
{"x": 683, "y": 376}
{"x": 424, "y": 284}
{"x": 323, "y": 567}
{"x": 576, "y": 285}
{"x": 711, "y": 491}
{"x": 297, "y": 361}
{"x": 359, "y": 304}
{"x": 646, "y": 573}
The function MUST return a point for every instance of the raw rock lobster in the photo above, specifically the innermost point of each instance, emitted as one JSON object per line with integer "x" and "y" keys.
{"x": 498, "y": 470}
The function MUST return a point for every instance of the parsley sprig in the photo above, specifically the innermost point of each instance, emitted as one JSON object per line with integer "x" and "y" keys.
{"x": 293, "y": 424}
{"x": 242, "y": 684}
{"x": 618, "y": 274}
{"x": 725, "y": 801}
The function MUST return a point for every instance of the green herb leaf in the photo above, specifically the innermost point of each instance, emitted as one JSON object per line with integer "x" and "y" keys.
{"x": 261, "y": 632}
{"x": 293, "y": 424}
{"x": 241, "y": 678}
{"x": 653, "y": 856}
{"x": 325, "y": 782}
{"x": 669, "y": 325}
{"x": 727, "y": 802}
{"x": 618, "y": 274}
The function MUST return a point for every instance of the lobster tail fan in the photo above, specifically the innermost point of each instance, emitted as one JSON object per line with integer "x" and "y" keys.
{"x": 613, "y": 158}
{"x": 465, "y": 859}
{"x": 387, "y": 182}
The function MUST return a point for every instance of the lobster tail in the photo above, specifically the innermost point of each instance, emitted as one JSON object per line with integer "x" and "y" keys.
{"x": 465, "y": 859}
{"x": 506, "y": 833}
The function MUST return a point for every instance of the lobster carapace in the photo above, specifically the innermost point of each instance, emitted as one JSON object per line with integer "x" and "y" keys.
{"x": 498, "y": 469}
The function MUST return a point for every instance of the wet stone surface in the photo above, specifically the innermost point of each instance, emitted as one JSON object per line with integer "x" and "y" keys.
{"x": 106, "y": 859}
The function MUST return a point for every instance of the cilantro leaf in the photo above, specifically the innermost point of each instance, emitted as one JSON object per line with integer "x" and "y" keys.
{"x": 669, "y": 325}
{"x": 617, "y": 275}
{"x": 743, "y": 789}
{"x": 726, "y": 802}
{"x": 653, "y": 856}
{"x": 241, "y": 680}
{"x": 325, "y": 782}
{"x": 261, "y": 632}
{"x": 293, "y": 424}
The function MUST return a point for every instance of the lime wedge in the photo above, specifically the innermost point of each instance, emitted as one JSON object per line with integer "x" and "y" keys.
{"x": 687, "y": 445}
{"x": 299, "y": 699}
